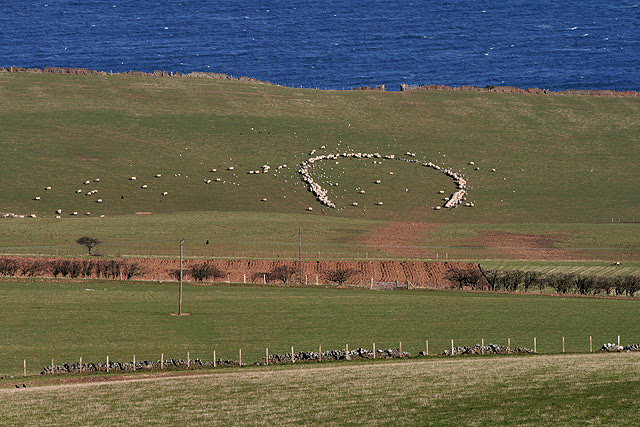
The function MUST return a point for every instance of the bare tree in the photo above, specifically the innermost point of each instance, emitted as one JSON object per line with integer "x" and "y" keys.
{"x": 89, "y": 242}
{"x": 465, "y": 277}
{"x": 282, "y": 272}
{"x": 340, "y": 275}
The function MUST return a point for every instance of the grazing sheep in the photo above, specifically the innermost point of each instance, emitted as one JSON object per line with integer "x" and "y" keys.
{"x": 437, "y": 208}
{"x": 88, "y": 193}
{"x": 164, "y": 193}
{"x": 230, "y": 168}
{"x": 32, "y": 215}
{"x": 390, "y": 173}
{"x": 47, "y": 188}
{"x": 58, "y": 211}
{"x": 78, "y": 191}
{"x": 217, "y": 179}
{"x": 441, "y": 192}
{"x": 264, "y": 199}
{"x": 361, "y": 191}
{"x": 493, "y": 170}
{"x": 471, "y": 163}
{"x": 214, "y": 170}
{"x": 96, "y": 180}
{"x": 144, "y": 186}
{"x": 133, "y": 178}
{"x": 57, "y": 216}
{"x": 87, "y": 213}
{"x": 379, "y": 203}
{"x": 378, "y": 181}
{"x": 74, "y": 213}
{"x": 87, "y": 182}
{"x": 99, "y": 201}
{"x": 36, "y": 198}
{"x": 354, "y": 204}
{"x": 309, "y": 208}
{"x": 101, "y": 216}
{"x": 158, "y": 175}
{"x": 476, "y": 168}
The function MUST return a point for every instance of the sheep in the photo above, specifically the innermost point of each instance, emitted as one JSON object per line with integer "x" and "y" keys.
{"x": 230, "y": 168}
{"x": 101, "y": 216}
{"x": 471, "y": 163}
{"x": 354, "y": 204}
{"x": 441, "y": 192}
{"x": 217, "y": 179}
{"x": 58, "y": 211}
{"x": 158, "y": 175}
{"x": 36, "y": 198}
{"x": 309, "y": 208}
{"x": 88, "y": 193}
{"x": 144, "y": 186}
{"x": 78, "y": 191}
{"x": 58, "y": 217}
{"x": 47, "y": 188}
{"x": 361, "y": 191}
{"x": 164, "y": 193}
{"x": 99, "y": 201}
{"x": 493, "y": 170}
{"x": 87, "y": 213}
{"x": 379, "y": 203}
{"x": 96, "y": 180}
{"x": 214, "y": 170}
{"x": 251, "y": 172}
{"x": 32, "y": 215}
{"x": 264, "y": 199}
{"x": 74, "y": 213}
{"x": 437, "y": 208}
{"x": 378, "y": 181}
{"x": 133, "y": 178}
{"x": 476, "y": 168}
{"x": 87, "y": 182}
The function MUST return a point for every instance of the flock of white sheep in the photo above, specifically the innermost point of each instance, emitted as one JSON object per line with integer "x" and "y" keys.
{"x": 322, "y": 194}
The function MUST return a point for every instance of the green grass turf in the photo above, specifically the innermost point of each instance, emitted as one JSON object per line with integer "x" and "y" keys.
{"x": 598, "y": 389}
{"x": 60, "y": 130}
{"x": 92, "y": 319}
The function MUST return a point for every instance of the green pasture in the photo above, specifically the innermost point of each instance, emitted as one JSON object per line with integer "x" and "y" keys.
{"x": 275, "y": 235}
{"x": 558, "y": 159}
{"x": 93, "y": 319}
{"x": 565, "y": 390}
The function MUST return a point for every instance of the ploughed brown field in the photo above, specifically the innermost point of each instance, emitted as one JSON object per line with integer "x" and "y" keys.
{"x": 418, "y": 274}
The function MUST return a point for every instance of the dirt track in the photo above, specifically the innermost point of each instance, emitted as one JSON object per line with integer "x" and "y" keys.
{"x": 419, "y": 274}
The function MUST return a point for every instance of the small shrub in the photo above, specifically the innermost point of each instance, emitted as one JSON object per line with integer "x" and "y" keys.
{"x": 205, "y": 271}
{"x": 465, "y": 277}
{"x": 283, "y": 273}
{"x": 8, "y": 267}
{"x": 32, "y": 268}
{"x": 133, "y": 269}
{"x": 340, "y": 276}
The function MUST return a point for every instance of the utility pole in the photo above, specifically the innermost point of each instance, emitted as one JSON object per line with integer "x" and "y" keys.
{"x": 300, "y": 253}
{"x": 180, "y": 297}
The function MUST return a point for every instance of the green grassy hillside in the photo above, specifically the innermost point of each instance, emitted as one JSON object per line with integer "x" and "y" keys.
{"x": 545, "y": 390}
{"x": 558, "y": 159}
{"x": 93, "y": 319}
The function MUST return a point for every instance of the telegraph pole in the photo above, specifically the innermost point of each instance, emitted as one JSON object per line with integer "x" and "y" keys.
{"x": 180, "y": 297}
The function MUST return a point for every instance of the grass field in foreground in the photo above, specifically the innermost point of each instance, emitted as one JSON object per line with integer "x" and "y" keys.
{"x": 600, "y": 389}
{"x": 92, "y": 319}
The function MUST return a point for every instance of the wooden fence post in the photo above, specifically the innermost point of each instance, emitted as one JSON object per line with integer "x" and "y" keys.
{"x": 52, "y": 365}
{"x": 563, "y": 344}
{"x": 134, "y": 362}
{"x": 400, "y": 348}
{"x": 161, "y": 360}
{"x": 427, "y": 347}
{"x": 188, "y": 359}
{"x": 320, "y": 352}
{"x": 590, "y": 344}
{"x": 214, "y": 358}
{"x": 24, "y": 368}
{"x": 266, "y": 353}
{"x": 508, "y": 345}
{"x": 535, "y": 349}
{"x": 80, "y": 363}
{"x": 618, "y": 340}
{"x": 316, "y": 280}
{"x": 244, "y": 278}
{"x": 346, "y": 352}
{"x": 107, "y": 363}
{"x": 240, "y": 356}
{"x": 293, "y": 358}
{"x": 451, "y": 347}
{"x": 374, "y": 350}
{"x": 264, "y": 278}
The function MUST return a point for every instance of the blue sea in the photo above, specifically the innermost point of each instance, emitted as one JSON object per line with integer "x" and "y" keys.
{"x": 591, "y": 44}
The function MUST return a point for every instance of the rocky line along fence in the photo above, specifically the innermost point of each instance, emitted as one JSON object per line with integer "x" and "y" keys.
{"x": 304, "y": 356}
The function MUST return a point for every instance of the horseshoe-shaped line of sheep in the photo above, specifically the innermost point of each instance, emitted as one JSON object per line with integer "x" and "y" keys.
{"x": 322, "y": 194}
